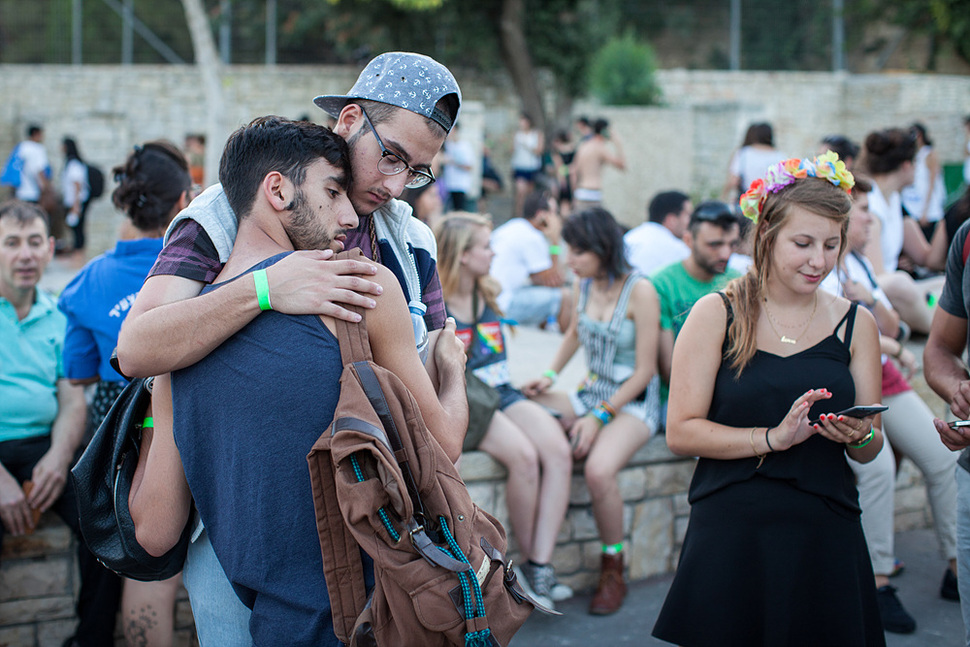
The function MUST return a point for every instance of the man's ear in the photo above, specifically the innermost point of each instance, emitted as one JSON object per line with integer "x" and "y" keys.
{"x": 278, "y": 191}
{"x": 350, "y": 116}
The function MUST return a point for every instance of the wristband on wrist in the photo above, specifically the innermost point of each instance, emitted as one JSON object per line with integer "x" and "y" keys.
{"x": 148, "y": 423}
{"x": 555, "y": 250}
{"x": 551, "y": 374}
{"x": 863, "y": 441}
{"x": 262, "y": 290}
{"x": 767, "y": 441}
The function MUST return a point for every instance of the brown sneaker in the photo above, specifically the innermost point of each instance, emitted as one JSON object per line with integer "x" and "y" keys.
{"x": 611, "y": 589}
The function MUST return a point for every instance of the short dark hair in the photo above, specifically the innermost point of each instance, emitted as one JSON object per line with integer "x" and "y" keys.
{"x": 841, "y": 146}
{"x": 535, "y": 202}
{"x": 595, "y": 230}
{"x": 600, "y": 126}
{"x": 713, "y": 212}
{"x": 759, "y": 133}
{"x": 33, "y": 129}
{"x": 917, "y": 127}
{"x": 269, "y": 144}
{"x": 665, "y": 203}
{"x": 24, "y": 212}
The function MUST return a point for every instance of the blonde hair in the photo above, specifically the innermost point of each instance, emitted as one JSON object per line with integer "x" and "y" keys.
{"x": 454, "y": 233}
{"x": 746, "y": 293}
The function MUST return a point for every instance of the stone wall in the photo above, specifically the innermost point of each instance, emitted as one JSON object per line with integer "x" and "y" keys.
{"x": 38, "y": 590}
{"x": 38, "y": 573}
{"x": 684, "y": 144}
{"x": 655, "y": 509}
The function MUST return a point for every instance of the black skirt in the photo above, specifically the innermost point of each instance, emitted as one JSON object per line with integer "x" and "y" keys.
{"x": 764, "y": 563}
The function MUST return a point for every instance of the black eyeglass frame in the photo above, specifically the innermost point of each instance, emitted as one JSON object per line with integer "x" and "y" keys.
{"x": 416, "y": 178}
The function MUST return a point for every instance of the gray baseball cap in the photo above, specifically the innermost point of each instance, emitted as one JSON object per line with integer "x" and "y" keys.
{"x": 411, "y": 81}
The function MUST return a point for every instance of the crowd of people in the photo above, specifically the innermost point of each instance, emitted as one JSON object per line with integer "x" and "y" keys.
{"x": 743, "y": 329}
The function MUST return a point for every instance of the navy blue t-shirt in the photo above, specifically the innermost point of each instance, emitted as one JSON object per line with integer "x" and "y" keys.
{"x": 246, "y": 416}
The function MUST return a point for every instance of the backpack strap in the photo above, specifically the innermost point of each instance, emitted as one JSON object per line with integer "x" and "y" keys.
{"x": 354, "y": 342}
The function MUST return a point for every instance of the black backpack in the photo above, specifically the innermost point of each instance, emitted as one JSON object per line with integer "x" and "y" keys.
{"x": 95, "y": 181}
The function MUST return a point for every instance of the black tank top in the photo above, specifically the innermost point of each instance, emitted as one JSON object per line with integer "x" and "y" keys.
{"x": 762, "y": 397}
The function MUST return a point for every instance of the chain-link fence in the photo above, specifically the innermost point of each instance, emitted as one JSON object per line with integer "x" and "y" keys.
{"x": 699, "y": 34}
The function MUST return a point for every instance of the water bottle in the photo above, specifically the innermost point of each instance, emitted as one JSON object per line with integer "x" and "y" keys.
{"x": 420, "y": 328}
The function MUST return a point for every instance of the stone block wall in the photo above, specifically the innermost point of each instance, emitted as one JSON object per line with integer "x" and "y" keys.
{"x": 39, "y": 582}
{"x": 685, "y": 144}
{"x": 655, "y": 512}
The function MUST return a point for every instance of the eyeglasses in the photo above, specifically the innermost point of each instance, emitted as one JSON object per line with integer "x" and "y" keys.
{"x": 391, "y": 164}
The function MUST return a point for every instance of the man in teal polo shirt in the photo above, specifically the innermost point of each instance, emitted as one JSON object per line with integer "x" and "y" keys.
{"x": 42, "y": 415}
{"x": 712, "y": 236}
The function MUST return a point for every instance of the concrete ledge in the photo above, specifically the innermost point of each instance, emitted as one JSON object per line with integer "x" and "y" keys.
{"x": 39, "y": 582}
{"x": 654, "y": 489}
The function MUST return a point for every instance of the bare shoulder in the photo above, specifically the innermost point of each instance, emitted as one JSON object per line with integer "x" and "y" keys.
{"x": 392, "y": 287}
{"x": 711, "y": 306}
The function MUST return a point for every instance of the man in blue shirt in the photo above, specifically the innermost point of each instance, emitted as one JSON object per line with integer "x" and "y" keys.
{"x": 42, "y": 415}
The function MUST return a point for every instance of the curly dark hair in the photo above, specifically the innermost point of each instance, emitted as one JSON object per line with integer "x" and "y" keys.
{"x": 150, "y": 183}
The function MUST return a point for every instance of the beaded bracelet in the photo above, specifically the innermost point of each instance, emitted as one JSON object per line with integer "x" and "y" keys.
{"x": 863, "y": 441}
{"x": 603, "y": 412}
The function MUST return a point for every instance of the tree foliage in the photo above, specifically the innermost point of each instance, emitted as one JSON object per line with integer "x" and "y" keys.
{"x": 622, "y": 73}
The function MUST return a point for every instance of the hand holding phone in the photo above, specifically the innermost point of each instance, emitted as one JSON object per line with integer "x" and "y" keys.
{"x": 959, "y": 424}
{"x": 856, "y": 412}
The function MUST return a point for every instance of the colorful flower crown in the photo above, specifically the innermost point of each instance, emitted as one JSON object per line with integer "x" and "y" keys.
{"x": 827, "y": 166}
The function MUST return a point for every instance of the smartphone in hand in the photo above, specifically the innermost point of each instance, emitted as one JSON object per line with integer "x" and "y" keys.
{"x": 959, "y": 424}
{"x": 857, "y": 412}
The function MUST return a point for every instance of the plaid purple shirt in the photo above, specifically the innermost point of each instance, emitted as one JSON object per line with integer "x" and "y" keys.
{"x": 190, "y": 254}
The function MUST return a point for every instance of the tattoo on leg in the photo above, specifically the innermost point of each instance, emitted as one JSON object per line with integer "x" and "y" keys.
{"x": 138, "y": 625}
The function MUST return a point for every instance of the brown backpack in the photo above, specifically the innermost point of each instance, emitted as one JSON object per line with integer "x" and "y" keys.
{"x": 383, "y": 484}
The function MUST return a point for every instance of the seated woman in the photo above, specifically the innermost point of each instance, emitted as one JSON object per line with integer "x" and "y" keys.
{"x": 888, "y": 159}
{"x": 906, "y": 425}
{"x": 616, "y": 409}
{"x": 522, "y": 435}
{"x": 774, "y": 552}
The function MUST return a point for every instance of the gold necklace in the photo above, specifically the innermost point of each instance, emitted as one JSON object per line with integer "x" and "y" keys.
{"x": 784, "y": 338}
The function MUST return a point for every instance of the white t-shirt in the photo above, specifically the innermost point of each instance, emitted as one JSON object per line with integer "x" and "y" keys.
{"x": 456, "y": 178}
{"x": 524, "y": 157}
{"x": 74, "y": 172}
{"x": 520, "y": 251}
{"x": 751, "y": 163}
{"x": 914, "y": 195}
{"x": 651, "y": 246}
{"x": 890, "y": 214}
{"x": 34, "y": 157}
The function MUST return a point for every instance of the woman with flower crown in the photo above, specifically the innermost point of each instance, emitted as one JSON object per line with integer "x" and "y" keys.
{"x": 774, "y": 552}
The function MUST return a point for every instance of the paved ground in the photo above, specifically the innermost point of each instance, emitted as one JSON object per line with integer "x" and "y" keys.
{"x": 938, "y": 621}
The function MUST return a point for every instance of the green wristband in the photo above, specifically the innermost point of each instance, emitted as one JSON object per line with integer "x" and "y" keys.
{"x": 551, "y": 374}
{"x": 865, "y": 441}
{"x": 262, "y": 289}
{"x": 148, "y": 423}
{"x": 555, "y": 250}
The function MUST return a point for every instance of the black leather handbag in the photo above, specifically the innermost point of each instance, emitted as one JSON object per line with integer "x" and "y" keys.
{"x": 102, "y": 479}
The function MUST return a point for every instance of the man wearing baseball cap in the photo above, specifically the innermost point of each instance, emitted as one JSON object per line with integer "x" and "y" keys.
{"x": 395, "y": 119}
